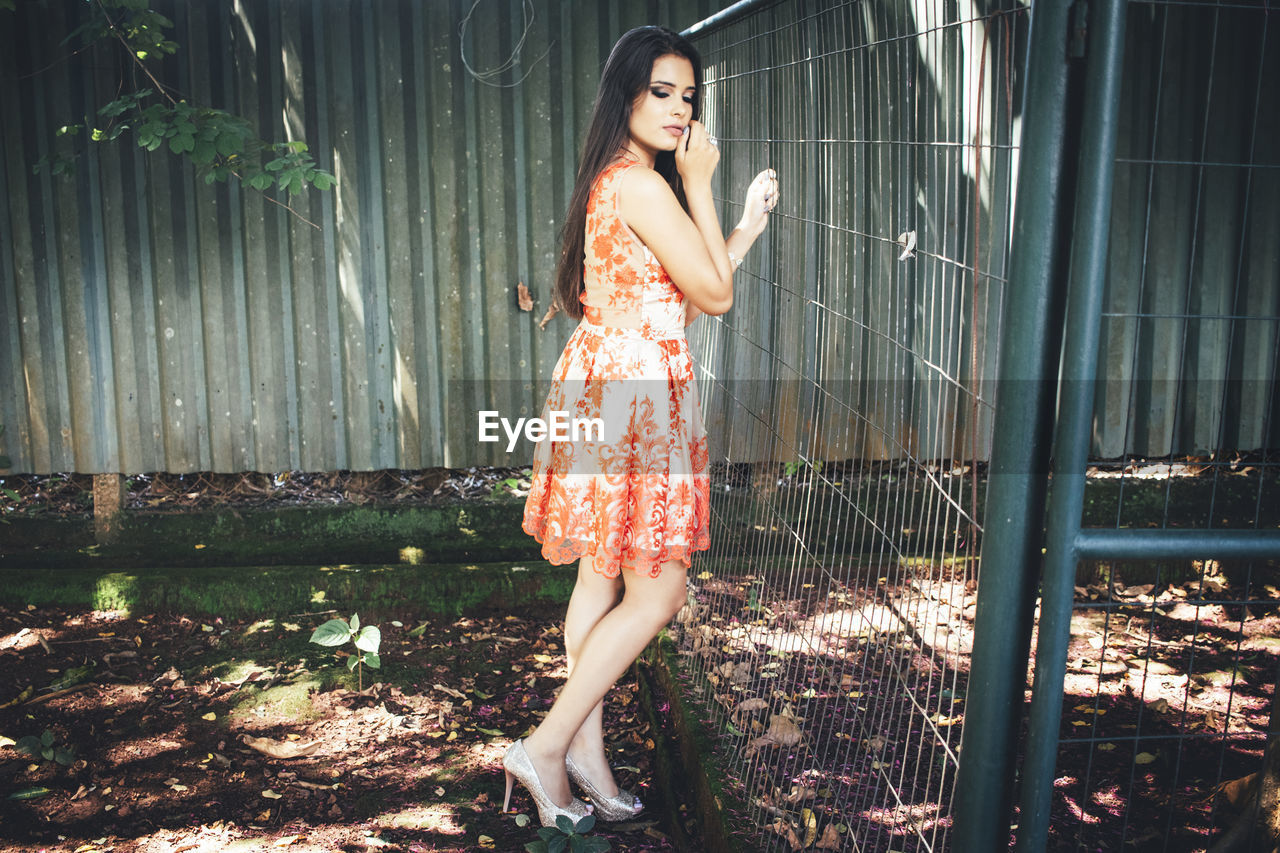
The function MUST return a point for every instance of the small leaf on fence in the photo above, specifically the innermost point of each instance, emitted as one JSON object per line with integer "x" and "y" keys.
{"x": 907, "y": 240}
{"x": 1143, "y": 758}
{"x": 524, "y": 297}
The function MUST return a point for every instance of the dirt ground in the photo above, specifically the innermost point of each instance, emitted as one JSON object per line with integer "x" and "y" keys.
{"x": 1170, "y": 688}
{"x": 160, "y": 712}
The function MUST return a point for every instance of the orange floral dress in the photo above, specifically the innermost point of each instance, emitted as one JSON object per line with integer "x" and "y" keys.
{"x": 635, "y": 493}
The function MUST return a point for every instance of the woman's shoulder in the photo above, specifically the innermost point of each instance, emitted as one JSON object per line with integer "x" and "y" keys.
{"x": 613, "y": 170}
{"x": 643, "y": 185}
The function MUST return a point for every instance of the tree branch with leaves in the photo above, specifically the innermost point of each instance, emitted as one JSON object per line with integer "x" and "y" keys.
{"x": 220, "y": 144}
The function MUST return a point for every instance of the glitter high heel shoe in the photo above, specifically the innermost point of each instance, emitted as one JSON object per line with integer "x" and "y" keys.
{"x": 624, "y": 806}
{"x": 518, "y": 766}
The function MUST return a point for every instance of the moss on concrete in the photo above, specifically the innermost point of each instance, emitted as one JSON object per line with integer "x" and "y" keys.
{"x": 274, "y": 591}
{"x": 686, "y": 756}
{"x": 480, "y": 531}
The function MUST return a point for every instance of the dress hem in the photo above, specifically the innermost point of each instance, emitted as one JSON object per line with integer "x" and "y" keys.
{"x": 563, "y": 551}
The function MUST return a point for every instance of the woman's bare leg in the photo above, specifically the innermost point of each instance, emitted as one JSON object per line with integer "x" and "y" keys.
{"x": 594, "y": 595}
{"x": 616, "y": 641}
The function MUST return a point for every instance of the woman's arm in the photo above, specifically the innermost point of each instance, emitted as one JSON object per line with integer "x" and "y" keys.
{"x": 690, "y": 245}
{"x": 762, "y": 197}
{"x": 679, "y": 240}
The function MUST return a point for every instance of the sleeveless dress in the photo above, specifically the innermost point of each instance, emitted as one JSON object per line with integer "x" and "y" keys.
{"x": 635, "y": 494}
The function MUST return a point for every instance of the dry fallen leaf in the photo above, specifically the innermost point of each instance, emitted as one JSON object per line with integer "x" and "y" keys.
{"x": 551, "y": 312}
{"x": 1143, "y": 758}
{"x": 454, "y": 693}
{"x": 907, "y": 240}
{"x": 783, "y": 730}
{"x": 279, "y": 749}
{"x": 798, "y": 793}
{"x": 287, "y": 840}
{"x": 524, "y": 297}
{"x": 1237, "y": 791}
{"x": 271, "y": 795}
{"x": 830, "y": 839}
{"x": 810, "y": 821}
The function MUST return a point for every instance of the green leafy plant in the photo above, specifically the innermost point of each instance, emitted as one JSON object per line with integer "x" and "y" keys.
{"x": 45, "y": 747}
{"x": 793, "y": 468}
{"x": 503, "y": 486}
{"x": 510, "y": 484}
{"x": 220, "y": 144}
{"x": 367, "y": 639}
{"x": 565, "y": 836}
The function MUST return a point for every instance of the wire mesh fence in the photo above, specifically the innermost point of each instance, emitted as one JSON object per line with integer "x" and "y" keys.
{"x": 1170, "y": 687}
{"x": 828, "y": 630}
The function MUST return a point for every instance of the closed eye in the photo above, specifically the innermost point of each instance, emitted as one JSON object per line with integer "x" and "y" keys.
{"x": 663, "y": 93}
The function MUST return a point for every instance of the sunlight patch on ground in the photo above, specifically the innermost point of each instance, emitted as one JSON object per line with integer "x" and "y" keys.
{"x": 222, "y": 839}
{"x": 20, "y": 640}
{"x": 433, "y": 817}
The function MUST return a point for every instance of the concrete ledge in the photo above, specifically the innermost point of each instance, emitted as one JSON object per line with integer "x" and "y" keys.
{"x": 685, "y": 756}
{"x": 273, "y": 591}
{"x": 480, "y": 531}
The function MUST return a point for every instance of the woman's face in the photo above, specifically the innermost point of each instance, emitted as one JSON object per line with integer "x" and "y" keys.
{"x": 663, "y": 110}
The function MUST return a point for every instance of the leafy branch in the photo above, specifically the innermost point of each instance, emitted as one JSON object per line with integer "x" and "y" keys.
{"x": 220, "y": 144}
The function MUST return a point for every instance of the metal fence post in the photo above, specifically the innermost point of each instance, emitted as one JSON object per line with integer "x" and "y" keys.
{"x": 1071, "y": 443}
{"x": 1019, "y": 453}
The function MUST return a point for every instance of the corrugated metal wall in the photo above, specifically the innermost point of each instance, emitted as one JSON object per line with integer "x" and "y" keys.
{"x": 859, "y": 349}
{"x": 1191, "y": 325}
{"x": 151, "y": 322}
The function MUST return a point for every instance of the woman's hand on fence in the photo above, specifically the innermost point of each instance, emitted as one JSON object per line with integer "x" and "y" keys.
{"x": 696, "y": 156}
{"x": 762, "y": 197}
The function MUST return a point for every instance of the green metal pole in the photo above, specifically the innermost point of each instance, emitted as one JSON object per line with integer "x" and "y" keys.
{"x": 1220, "y": 544}
{"x": 1075, "y": 420}
{"x": 1014, "y": 512}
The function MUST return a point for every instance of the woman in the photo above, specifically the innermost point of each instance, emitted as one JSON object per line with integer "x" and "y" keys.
{"x": 642, "y": 256}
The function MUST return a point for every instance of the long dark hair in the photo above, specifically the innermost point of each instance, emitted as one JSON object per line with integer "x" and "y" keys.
{"x": 626, "y": 74}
